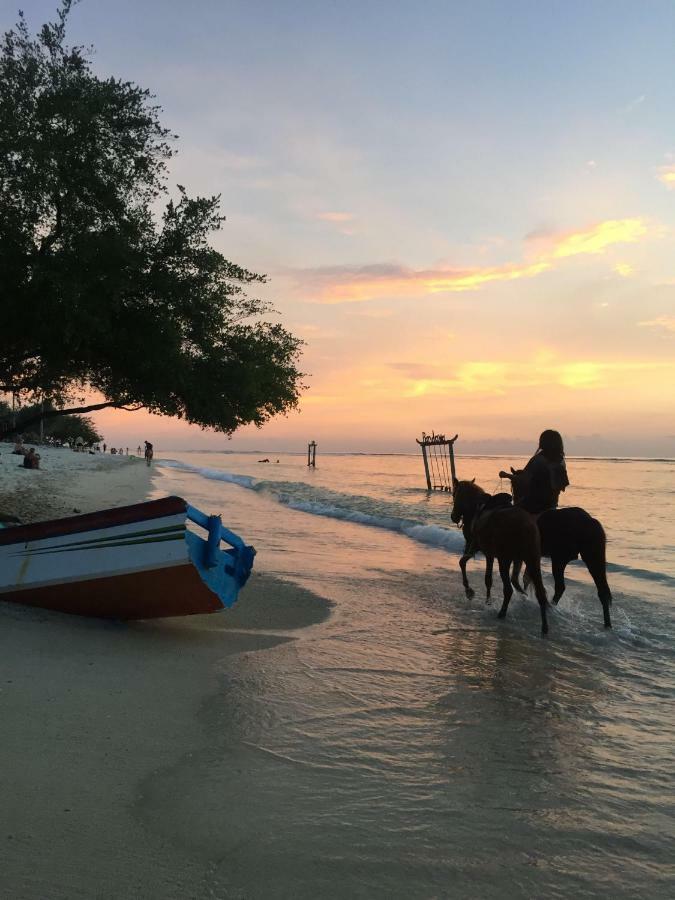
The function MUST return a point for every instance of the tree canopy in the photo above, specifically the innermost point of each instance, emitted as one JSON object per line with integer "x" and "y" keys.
{"x": 107, "y": 284}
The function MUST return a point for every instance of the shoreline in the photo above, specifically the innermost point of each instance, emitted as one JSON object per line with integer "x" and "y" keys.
{"x": 302, "y": 454}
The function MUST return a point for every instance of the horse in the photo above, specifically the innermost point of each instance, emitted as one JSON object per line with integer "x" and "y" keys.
{"x": 501, "y": 532}
{"x": 567, "y": 534}
{"x": 497, "y": 500}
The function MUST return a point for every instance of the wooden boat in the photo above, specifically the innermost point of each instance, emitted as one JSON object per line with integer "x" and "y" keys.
{"x": 135, "y": 562}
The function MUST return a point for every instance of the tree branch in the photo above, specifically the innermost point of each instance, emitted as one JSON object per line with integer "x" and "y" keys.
{"x": 6, "y": 429}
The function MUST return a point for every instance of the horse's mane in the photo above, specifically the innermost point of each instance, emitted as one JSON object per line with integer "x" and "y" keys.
{"x": 473, "y": 489}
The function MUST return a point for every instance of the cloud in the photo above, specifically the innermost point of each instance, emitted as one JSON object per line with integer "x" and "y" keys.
{"x": 499, "y": 378}
{"x": 415, "y": 370}
{"x": 593, "y": 240}
{"x": 666, "y": 175}
{"x": 335, "y": 217}
{"x": 307, "y": 330}
{"x": 353, "y": 284}
{"x": 638, "y": 101}
{"x": 665, "y": 322}
{"x": 625, "y": 270}
{"x": 343, "y": 221}
{"x": 374, "y": 313}
{"x": 239, "y": 162}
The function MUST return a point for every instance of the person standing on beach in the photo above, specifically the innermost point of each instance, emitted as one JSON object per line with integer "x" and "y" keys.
{"x": 31, "y": 460}
{"x": 547, "y": 474}
{"x": 148, "y": 452}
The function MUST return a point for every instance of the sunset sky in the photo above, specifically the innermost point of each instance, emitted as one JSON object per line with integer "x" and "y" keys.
{"x": 466, "y": 209}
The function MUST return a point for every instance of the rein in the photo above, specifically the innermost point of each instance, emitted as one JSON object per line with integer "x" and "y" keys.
{"x": 468, "y": 516}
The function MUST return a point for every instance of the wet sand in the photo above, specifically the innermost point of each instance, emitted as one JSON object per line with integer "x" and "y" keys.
{"x": 93, "y": 711}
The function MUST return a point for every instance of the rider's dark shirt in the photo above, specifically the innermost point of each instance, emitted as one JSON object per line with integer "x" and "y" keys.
{"x": 547, "y": 480}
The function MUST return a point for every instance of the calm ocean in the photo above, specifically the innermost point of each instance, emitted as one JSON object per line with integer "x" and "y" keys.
{"x": 381, "y": 759}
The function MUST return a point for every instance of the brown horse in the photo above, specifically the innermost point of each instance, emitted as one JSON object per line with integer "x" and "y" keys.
{"x": 505, "y": 533}
{"x": 567, "y": 534}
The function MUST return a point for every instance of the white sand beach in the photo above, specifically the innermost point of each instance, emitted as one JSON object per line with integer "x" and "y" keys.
{"x": 68, "y": 483}
{"x": 93, "y": 710}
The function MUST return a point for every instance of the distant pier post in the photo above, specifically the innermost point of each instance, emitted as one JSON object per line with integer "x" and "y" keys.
{"x": 438, "y": 456}
{"x": 426, "y": 464}
{"x": 311, "y": 454}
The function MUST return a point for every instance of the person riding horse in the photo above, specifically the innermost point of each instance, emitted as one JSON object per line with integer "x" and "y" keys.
{"x": 545, "y": 475}
{"x": 567, "y": 533}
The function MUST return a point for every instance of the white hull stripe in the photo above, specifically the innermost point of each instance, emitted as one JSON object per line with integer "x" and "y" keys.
{"x": 94, "y": 576}
{"x": 90, "y": 541}
{"x": 119, "y": 541}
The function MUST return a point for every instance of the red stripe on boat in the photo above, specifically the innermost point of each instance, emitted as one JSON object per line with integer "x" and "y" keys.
{"x": 174, "y": 591}
{"x": 106, "y": 518}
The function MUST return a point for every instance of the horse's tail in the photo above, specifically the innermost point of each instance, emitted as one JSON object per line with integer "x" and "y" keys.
{"x": 593, "y": 551}
{"x": 534, "y": 577}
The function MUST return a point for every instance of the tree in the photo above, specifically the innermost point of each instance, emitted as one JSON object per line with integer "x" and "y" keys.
{"x": 99, "y": 291}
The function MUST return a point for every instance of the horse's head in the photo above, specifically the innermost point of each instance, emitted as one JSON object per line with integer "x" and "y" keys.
{"x": 466, "y": 497}
{"x": 520, "y": 481}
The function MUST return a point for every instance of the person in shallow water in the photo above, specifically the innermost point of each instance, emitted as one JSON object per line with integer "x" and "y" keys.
{"x": 547, "y": 474}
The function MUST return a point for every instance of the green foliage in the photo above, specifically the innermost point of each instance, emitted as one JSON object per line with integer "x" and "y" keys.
{"x": 57, "y": 429}
{"x": 97, "y": 291}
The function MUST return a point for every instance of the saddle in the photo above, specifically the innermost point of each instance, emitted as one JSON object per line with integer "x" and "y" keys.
{"x": 491, "y": 504}
{"x": 498, "y": 501}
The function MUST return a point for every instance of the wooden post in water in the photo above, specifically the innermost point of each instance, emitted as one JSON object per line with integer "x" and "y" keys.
{"x": 426, "y": 463}
{"x": 438, "y": 456}
{"x": 311, "y": 454}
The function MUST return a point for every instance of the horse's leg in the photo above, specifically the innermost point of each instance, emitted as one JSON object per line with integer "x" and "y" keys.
{"x": 504, "y": 567}
{"x": 558, "y": 564}
{"x": 489, "y": 563}
{"x": 534, "y": 568}
{"x": 465, "y": 581}
{"x": 515, "y": 576}
{"x": 596, "y": 565}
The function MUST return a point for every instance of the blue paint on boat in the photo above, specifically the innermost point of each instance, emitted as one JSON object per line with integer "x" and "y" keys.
{"x": 224, "y": 572}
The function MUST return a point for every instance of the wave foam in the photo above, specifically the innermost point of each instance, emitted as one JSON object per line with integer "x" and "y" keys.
{"x": 294, "y": 495}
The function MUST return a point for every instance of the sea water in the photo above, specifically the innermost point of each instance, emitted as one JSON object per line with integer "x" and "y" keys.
{"x": 412, "y": 745}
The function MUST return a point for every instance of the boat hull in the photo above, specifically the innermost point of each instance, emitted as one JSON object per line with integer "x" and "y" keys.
{"x": 174, "y": 591}
{"x": 135, "y": 562}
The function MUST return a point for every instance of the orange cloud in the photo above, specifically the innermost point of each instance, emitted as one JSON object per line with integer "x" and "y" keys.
{"x": 366, "y": 284}
{"x": 352, "y": 284}
{"x": 600, "y": 237}
{"x": 667, "y": 176}
{"x": 335, "y": 217}
{"x": 498, "y": 378}
{"x": 665, "y": 322}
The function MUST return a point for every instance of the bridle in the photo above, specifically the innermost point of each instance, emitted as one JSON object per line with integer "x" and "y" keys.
{"x": 468, "y": 517}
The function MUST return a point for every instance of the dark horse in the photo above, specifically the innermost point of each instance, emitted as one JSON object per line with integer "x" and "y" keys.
{"x": 567, "y": 534}
{"x": 501, "y": 532}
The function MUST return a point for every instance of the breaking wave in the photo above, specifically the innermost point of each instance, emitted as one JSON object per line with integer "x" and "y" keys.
{"x": 407, "y": 519}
